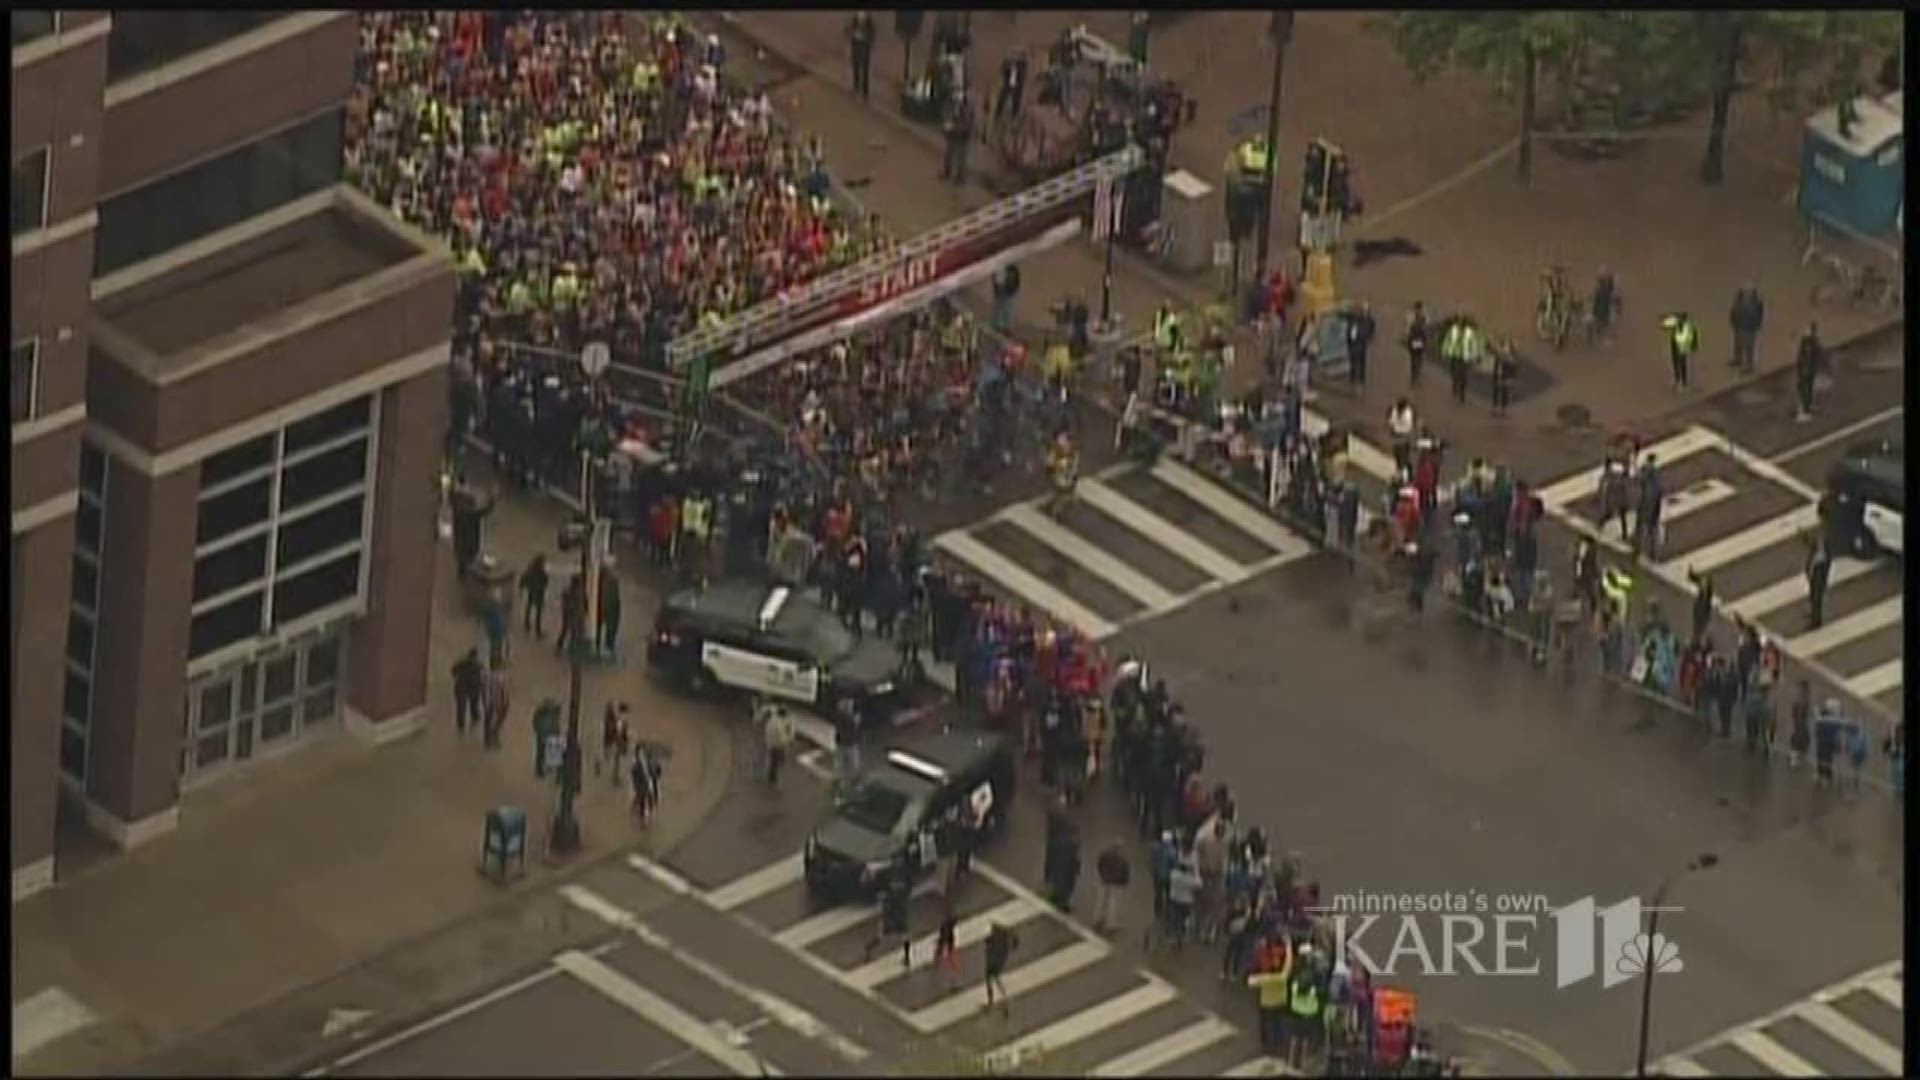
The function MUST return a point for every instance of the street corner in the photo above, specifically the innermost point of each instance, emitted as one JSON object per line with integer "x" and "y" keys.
{"x": 1500, "y": 1051}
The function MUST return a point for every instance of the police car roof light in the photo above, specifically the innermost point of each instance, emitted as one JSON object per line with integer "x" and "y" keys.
{"x": 775, "y": 602}
{"x": 917, "y": 765}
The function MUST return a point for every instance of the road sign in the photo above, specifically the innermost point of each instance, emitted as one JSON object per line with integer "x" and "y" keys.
{"x": 595, "y": 358}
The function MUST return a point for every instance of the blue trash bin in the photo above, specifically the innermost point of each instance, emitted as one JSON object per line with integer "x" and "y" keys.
{"x": 504, "y": 841}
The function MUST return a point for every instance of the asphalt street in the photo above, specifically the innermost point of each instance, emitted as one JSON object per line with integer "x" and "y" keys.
{"x": 1408, "y": 756}
{"x": 718, "y": 964}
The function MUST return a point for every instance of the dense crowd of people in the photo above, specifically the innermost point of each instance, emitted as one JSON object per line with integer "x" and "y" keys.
{"x": 595, "y": 175}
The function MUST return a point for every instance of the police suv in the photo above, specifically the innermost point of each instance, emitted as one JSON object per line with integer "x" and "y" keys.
{"x": 897, "y": 811}
{"x": 1867, "y": 492}
{"x": 775, "y": 641}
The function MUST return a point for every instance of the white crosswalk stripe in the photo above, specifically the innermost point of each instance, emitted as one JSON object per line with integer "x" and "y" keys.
{"x": 1851, "y": 651}
{"x": 1199, "y": 534}
{"x": 1852, "y": 1028}
{"x": 1132, "y": 1023}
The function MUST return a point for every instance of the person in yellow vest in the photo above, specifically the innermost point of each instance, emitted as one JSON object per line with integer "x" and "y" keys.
{"x": 1166, "y": 329}
{"x": 1254, "y": 158}
{"x": 1303, "y": 1003}
{"x": 696, "y": 527}
{"x": 1271, "y": 987}
{"x": 1683, "y": 337}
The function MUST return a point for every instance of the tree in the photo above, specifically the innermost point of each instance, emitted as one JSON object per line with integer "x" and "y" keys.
{"x": 1513, "y": 48}
{"x": 1810, "y": 59}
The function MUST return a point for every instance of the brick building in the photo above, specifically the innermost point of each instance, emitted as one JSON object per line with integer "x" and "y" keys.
{"x": 228, "y": 389}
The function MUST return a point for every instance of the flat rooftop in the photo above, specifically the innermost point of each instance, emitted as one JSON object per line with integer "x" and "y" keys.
{"x": 243, "y": 285}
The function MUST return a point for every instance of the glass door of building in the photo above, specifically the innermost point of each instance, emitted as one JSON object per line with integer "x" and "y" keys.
{"x": 268, "y": 702}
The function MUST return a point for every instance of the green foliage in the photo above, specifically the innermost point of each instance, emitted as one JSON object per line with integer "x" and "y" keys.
{"x": 1651, "y": 66}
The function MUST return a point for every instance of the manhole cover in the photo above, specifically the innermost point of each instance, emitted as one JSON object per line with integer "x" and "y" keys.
{"x": 1574, "y": 415}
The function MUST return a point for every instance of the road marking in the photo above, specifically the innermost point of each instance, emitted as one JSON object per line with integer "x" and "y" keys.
{"x": 966, "y": 933}
{"x": 1680, "y": 1066}
{"x": 464, "y": 1009}
{"x": 1016, "y": 579}
{"x": 1766, "y": 1051}
{"x": 1162, "y": 532}
{"x": 1669, "y": 450}
{"x": 46, "y": 1018}
{"x": 781, "y": 1011}
{"x": 1882, "y": 980}
{"x": 1889, "y": 990}
{"x": 661, "y": 1013}
{"x": 1550, "y": 1060}
{"x": 1741, "y": 544}
{"x": 1098, "y": 562}
{"x": 1695, "y": 497}
{"x": 1764, "y": 468}
{"x": 1879, "y": 680}
{"x": 1261, "y": 1066}
{"x": 1832, "y": 437}
{"x": 768, "y": 879}
{"x": 970, "y": 1003}
{"x": 1081, "y": 1025}
{"x": 1794, "y": 589}
{"x": 1231, "y": 508}
{"x": 1434, "y": 191}
{"x": 666, "y": 878}
{"x": 1852, "y": 1036}
{"x": 1867, "y": 620}
{"x": 1188, "y": 1040}
{"x": 837, "y": 920}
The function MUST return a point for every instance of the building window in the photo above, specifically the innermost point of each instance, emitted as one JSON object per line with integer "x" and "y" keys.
{"x": 30, "y": 26}
{"x": 144, "y": 39}
{"x": 242, "y": 183}
{"x": 282, "y": 528}
{"x": 31, "y": 183}
{"x": 83, "y": 616}
{"x": 23, "y": 394}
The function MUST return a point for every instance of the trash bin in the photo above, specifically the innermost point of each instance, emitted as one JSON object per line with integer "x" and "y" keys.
{"x": 490, "y": 582}
{"x": 503, "y": 842}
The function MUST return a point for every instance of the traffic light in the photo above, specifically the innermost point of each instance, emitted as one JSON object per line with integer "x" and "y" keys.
{"x": 1313, "y": 181}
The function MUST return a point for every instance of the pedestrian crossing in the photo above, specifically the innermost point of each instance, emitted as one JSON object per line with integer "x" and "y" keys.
{"x": 1076, "y": 1005}
{"x": 1854, "y": 1028}
{"x": 1135, "y": 542}
{"x": 1742, "y": 518}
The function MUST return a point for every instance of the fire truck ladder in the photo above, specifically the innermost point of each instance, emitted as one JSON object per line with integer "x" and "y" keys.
{"x": 771, "y": 319}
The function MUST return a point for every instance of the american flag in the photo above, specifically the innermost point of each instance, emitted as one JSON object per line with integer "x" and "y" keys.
{"x": 1109, "y": 200}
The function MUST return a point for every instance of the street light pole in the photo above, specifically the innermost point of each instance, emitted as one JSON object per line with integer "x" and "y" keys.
{"x": 1649, "y": 962}
{"x": 1281, "y": 31}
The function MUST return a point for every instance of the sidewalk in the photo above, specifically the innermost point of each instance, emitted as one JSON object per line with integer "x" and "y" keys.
{"x": 1436, "y": 168}
{"x": 341, "y": 854}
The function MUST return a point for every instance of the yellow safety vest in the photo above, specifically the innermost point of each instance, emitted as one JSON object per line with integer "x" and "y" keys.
{"x": 1306, "y": 999}
{"x": 1685, "y": 337}
{"x": 1166, "y": 326}
{"x": 1253, "y": 160}
{"x": 1469, "y": 343}
{"x": 1272, "y": 987}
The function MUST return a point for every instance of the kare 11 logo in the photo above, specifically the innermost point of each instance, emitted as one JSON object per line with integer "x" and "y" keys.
{"x": 1478, "y": 934}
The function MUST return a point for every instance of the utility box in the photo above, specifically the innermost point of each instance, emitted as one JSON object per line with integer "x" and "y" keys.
{"x": 1856, "y": 181}
{"x": 1192, "y": 210}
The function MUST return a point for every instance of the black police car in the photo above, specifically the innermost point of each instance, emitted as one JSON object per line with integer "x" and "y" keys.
{"x": 1867, "y": 496}
{"x": 776, "y": 641}
{"x": 895, "y": 809}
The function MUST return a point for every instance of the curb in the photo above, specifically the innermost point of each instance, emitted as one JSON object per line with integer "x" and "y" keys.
{"x": 1871, "y": 337}
{"x": 1616, "y": 683}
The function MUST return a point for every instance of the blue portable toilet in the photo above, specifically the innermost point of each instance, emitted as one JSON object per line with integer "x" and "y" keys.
{"x": 1858, "y": 182}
